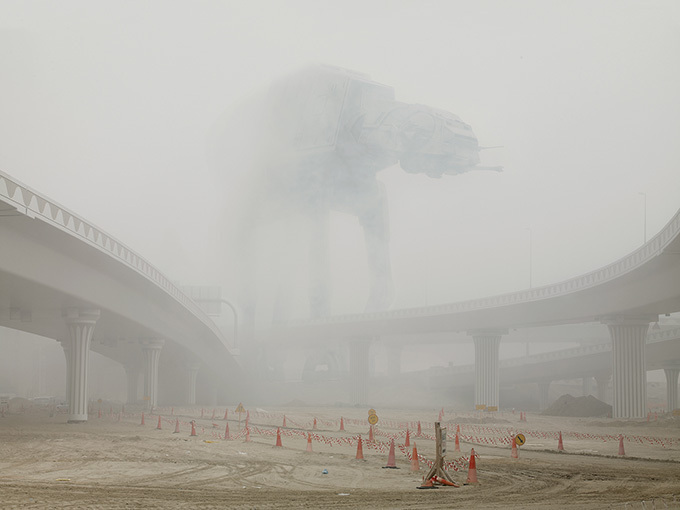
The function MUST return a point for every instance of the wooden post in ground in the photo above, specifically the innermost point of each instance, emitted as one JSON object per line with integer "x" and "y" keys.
{"x": 437, "y": 468}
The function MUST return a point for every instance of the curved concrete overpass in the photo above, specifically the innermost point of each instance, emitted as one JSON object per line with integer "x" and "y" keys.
{"x": 56, "y": 267}
{"x": 627, "y": 295}
{"x": 645, "y": 282}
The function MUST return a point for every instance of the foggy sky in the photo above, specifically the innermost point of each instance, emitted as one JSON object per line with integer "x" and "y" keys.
{"x": 108, "y": 107}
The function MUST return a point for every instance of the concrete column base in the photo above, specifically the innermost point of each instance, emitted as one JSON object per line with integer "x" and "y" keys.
{"x": 487, "y": 380}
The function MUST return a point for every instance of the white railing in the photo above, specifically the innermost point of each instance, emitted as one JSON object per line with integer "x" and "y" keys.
{"x": 31, "y": 203}
{"x": 646, "y": 252}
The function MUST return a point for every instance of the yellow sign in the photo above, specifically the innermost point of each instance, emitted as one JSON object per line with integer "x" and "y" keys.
{"x": 146, "y": 397}
{"x": 240, "y": 408}
{"x": 99, "y": 400}
{"x": 371, "y": 411}
{"x": 492, "y": 408}
{"x": 676, "y": 412}
{"x": 480, "y": 407}
{"x": 520, "y": 439}
{"x": 373, "y": 419}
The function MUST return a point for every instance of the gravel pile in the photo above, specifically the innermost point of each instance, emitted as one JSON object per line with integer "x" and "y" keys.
{"x": 568, "y": 405}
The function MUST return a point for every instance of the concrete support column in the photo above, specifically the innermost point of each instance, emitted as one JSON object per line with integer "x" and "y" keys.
{"x": 66, "y": 345}
{"x": 543, "y": 395}
{"x": 629, "y": 369}
{"x": 487, "y": 381}
{"x": 80, "y": 323}
{"x": 359, "y": 370}
{"x": 193, "y": 369}
{"x": 132, "y": 373}
{"x": 394, "y": 360}
{"x": 671, "y": 388}
{"x": 151, "y": 351}
{"x": 602, "y": 381}
{"x": 587, "y": 386}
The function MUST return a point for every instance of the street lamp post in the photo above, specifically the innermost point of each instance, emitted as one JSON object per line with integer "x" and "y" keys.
{"x": 644, "y": 195}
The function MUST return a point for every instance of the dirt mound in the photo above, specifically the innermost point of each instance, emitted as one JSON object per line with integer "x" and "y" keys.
{"x": 568, "y": 405}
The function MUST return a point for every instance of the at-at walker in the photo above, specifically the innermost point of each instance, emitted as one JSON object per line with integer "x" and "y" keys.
{"x": 328, "y": 132}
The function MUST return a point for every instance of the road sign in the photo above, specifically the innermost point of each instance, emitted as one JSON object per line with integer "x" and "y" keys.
{"x": 240, "y": 408}
{"x": 480, "y": 407}
{"x": 373, "y": 419}
{"x": 492, "y": 408}
{"x": 371, "y": 411}
{"x": 520, "y": 439}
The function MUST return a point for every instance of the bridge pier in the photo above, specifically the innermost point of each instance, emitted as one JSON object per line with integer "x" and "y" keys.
{"x": 629, "y": 336}
{"x": 151, "y": 352}
{"x": 543, "y": 395}
{"x": 602, "y": 380}
{"x": 587, "y": 386}
{"x": 80, "y": 323}
{"x": 193, "y": 369}
{"x": 132, "y": 373}
{"x": 359, "y": 370}
{"x": 671, "y": 387}
{"x": 487, "y": 381}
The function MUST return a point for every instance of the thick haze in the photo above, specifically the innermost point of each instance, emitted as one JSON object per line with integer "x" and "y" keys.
{"x": 110, "y": 107}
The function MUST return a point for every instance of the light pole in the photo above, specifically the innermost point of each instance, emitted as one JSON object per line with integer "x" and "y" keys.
{"x": 644, "y": 195}
{"x": 530, "y": 257}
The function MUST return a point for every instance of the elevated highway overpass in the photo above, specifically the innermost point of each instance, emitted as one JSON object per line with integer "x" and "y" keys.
{"x": 63, "y": 278}
{"x": 626, "y": 295}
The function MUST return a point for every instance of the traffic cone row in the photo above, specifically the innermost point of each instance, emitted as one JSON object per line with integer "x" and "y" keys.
{"x": 415, "y": 465}
{"x": 360, "y": 450}
{"x": 472, "y": 468}
{"x": 391, "y": 458}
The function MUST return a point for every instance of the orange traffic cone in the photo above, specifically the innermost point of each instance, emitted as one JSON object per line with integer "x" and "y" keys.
{"x": 193, "y": 428}
{"x": 444, "y": 481}
{"x": 284, "y": 421}
{"x": 419, "y": 430}
{"x": 391, "y": 458}
{"x": 158, "y": 427}
{"x": 370, "y": 433}
{"x": 176, "y": 426}
{"x": 278, "y": 437}
{"x": 456, "y": 447}
{"x": 342, "y": 424}
{"x": 226, "y": 413}
{"x": 226, "y": 432}
{"x": 360, "y": 450}
{"x": 415, "y": 465}
{"x": 514, "y": 453}
{"x": 248, "y": 435}
{"x": 407, "y": 442}
{"x": 142, "y": 418}
{"x": 314, "y": 426}
{"x": 472, "y": 468}
{"x": 309, "y": 442}
{"x": 428, "y": 484}
{"x": 621, "y": 450}
{"x": 560, "y": 446}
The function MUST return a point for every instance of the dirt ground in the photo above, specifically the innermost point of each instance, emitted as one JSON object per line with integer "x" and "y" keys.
{"x": 113, "y": 461}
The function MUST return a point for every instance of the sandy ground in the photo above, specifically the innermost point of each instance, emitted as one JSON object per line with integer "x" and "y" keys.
{"x": 107, "y": 463}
